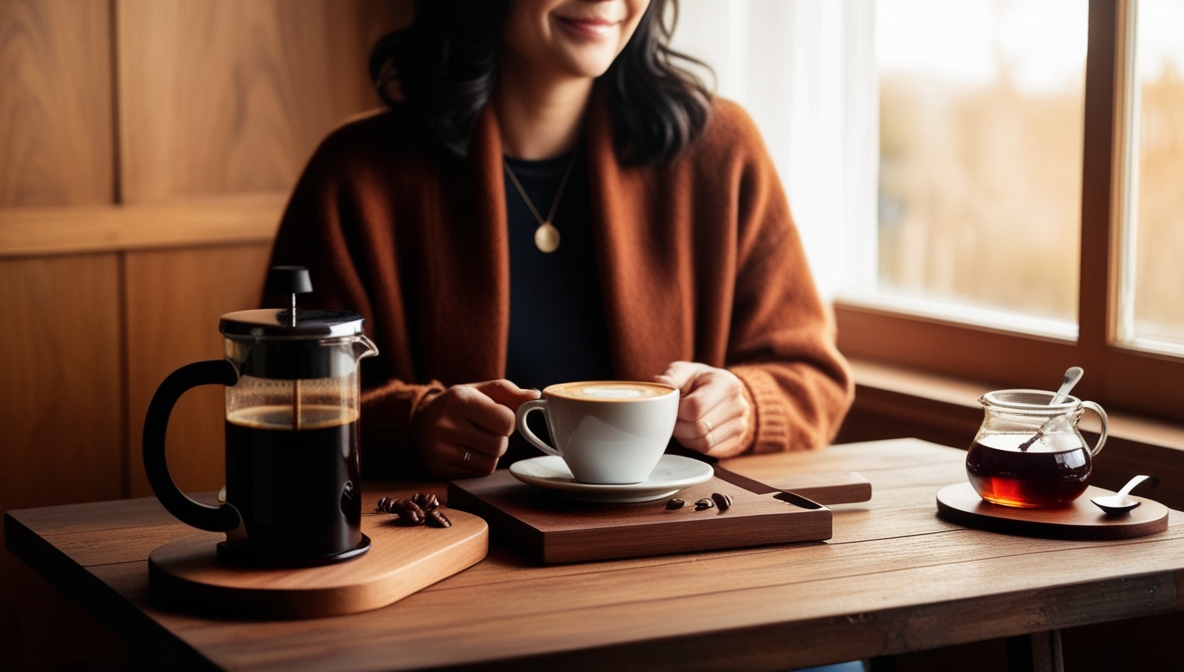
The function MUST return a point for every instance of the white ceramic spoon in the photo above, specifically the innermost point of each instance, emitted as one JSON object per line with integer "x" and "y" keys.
{"x": 1119, "y": 502}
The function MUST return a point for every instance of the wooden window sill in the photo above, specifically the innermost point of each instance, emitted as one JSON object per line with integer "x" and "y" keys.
{"x": 887, "y": 385}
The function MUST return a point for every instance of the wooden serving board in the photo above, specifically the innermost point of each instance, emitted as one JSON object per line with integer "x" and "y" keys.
{"x": 551, "y": 529}
{"x": 186, "y": 574}
{"x": 1080, "y": 520}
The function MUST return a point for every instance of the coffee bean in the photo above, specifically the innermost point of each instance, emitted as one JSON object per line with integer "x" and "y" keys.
{"x": 436, "y": 518}
{"x": 426, "y": 500}
{"x": 675, "y": 503}
{"x": 724, "y": 502}
{"x": 703, "y": 504}
{"x": 416, "y": 510}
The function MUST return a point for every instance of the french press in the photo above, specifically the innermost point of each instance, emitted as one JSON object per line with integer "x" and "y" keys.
{"x": 292, "y": 495}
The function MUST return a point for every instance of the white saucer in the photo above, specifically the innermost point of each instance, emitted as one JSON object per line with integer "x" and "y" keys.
{"x": 672, "y": 474}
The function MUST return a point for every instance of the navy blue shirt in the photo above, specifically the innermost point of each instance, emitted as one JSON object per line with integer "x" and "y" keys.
{"x": 557, "y": 317}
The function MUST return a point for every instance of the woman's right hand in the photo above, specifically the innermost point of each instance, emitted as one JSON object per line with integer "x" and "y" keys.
{"x": 464, "y": 430}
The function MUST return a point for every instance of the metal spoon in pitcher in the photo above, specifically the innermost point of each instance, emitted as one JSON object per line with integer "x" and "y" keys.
{"x": 1119, "y": 503}
{"x": 1072, "y": 375}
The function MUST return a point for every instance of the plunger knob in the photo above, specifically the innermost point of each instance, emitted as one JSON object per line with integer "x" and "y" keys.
{"x": 290, "y": 280}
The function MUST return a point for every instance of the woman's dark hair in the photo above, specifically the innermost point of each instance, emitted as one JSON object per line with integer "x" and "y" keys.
{"x": 443, "y": 67}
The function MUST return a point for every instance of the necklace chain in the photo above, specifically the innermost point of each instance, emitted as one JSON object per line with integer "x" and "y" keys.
{"x": 546, "y": 237}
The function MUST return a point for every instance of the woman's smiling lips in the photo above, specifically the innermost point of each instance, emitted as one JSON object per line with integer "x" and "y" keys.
{"x": 590, "y": 27}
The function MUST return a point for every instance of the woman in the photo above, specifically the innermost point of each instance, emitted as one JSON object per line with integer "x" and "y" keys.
{"x": 548, "y": 198}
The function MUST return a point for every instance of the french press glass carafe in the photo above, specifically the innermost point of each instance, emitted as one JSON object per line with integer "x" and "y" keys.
{"x": 292, "y": 494}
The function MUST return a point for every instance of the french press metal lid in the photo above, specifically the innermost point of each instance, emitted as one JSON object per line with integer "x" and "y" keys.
{"x": 290, "y": 343}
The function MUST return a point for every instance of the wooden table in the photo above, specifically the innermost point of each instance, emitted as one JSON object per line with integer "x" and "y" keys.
{"x": 894, "y": 578}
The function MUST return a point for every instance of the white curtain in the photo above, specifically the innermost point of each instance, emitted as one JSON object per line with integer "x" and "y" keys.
{"x": 805, "y": 71}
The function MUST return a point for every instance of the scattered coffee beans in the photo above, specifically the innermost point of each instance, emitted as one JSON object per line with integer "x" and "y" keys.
{"x": 704, "y": 504}
{"x": 675, "y": 503}
{"x": 420, "y": 508}
{"x": 724, "y": 502}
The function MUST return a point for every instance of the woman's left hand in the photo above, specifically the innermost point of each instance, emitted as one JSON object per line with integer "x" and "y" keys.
{"x": 713, "y": 415}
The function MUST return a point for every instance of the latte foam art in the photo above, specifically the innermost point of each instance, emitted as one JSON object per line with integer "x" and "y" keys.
{"x": 609, "y": 391}
{"x": 612, "y": 392}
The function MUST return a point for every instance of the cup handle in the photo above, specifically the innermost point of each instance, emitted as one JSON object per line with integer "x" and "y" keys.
{"x": 223, "y": 518}
{"x": 1093, "y": 452}
{"x": 520, "y": 420}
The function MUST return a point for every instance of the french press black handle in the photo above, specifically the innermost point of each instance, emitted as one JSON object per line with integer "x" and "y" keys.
{"x": 222, "y": 518}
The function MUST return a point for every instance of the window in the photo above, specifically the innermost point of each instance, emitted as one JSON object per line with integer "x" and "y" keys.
{"x": 1063, "y": 157}
{"x": 1121, "y": 317}
{"x": 1151, "y": 310}
{"x": 981, "y": 107}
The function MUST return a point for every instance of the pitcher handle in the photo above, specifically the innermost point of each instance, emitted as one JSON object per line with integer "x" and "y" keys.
{"x": 222, "y": 518}
{"x": 520, "y": 420}
{"x": 1093, "y": 452}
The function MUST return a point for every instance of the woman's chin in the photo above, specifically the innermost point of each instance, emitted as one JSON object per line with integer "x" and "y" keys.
{"x": 589, "y": 66}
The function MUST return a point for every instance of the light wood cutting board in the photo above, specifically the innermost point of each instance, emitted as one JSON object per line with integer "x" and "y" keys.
{"x": 187, "y": 575}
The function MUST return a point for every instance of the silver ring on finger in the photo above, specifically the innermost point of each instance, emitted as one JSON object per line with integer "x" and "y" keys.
{"x": 468, "y": 456}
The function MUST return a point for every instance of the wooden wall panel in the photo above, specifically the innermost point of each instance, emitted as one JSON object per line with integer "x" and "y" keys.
{"x": 56, "y": 132}
{"x": 174, "y": 300}
{"x": 224, "y": 220}
{"x": 60, "y": 411}
{"x": 60, "y": 428}
{"x": 232, "y": 95}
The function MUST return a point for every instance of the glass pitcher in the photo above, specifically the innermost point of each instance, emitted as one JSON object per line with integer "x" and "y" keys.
{"x": 1030, "y": 454}
{"x": 292, "y": 494}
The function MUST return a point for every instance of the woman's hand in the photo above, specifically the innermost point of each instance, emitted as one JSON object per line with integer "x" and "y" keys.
{"x": 713, "y": 415}
{"x": 464, "y": 430}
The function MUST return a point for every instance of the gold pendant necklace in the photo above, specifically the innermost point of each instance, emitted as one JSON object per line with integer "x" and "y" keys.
{"x": 546, "y": 237}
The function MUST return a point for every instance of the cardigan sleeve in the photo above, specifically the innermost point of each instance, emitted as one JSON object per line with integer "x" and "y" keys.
{"x": 330, "y": 226}
{"x": 782, "y": 336}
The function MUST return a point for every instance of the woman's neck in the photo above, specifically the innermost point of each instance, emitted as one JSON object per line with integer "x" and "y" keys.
{"x": 540, "y": 115}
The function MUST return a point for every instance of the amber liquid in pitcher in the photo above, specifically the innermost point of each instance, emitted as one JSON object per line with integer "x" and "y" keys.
{"x": 1043, "y": 476}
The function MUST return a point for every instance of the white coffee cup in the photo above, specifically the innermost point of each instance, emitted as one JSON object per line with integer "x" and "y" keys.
{"x": 608, "y": 432}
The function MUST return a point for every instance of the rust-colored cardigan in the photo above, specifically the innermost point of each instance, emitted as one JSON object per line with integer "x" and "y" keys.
{"x": 699, "y": 260}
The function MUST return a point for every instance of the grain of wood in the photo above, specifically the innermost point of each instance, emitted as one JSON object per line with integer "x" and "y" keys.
{"x": 551, "y": 529}
{"x": 907, "y": 581}
{"x": 56, "y": 107}
{"x": 174, "y": 301}
{"x": 221, "y": 97}
{"x": 226, "y": 220}
{"x": 187, "y": 575}
{"x": 61, "y": 371}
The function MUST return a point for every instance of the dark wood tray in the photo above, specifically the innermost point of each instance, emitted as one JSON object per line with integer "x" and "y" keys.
{"x": 551, "y": 529}
{"x": 1080, "y": 520}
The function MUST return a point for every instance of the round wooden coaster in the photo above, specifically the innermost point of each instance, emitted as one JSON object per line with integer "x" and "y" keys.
{"x": 402, "y": 560}
{"x": 1080, "y": 520}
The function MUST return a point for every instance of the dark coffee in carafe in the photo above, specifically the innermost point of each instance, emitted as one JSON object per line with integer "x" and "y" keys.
{"x": 296, "y": 490}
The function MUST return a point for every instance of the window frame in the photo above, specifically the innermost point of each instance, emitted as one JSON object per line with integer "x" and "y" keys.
{"x": 1117, "y": 376}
